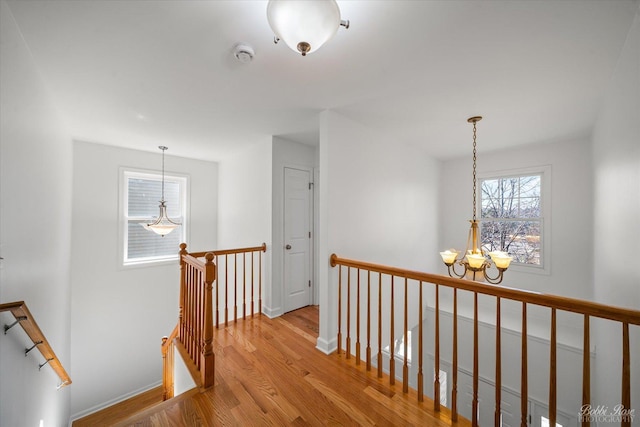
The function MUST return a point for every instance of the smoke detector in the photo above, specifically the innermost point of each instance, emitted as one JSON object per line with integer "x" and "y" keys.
{"x": 243, "y": 53}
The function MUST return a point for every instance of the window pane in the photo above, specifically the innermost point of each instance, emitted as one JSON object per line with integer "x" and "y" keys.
{"x": 172, "y": 197}
{"x": 517, "y": 197}
{"x": 144, "y": 243}
{"x": 529, "y": 207}
{"x": 521, "y": 239}
{"x": 512, "y": 216}
{"x": 145, "y": 194}
{"x": 530, "y": 186}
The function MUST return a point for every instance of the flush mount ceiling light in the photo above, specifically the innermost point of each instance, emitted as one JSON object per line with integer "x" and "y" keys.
{"x": 304, "y": 25}
{"x": 162, "y": 225}
{"x": 474, "y": 262}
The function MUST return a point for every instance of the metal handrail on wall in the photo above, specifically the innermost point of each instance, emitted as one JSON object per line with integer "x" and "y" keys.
{"x": 25, "y": 319}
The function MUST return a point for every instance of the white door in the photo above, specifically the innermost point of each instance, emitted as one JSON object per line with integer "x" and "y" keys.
{"x": 297, "y": 239}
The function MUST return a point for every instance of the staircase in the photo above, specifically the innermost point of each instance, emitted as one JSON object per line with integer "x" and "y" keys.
{"x": 148, "y": 401}
{"x": 268, "y": 372}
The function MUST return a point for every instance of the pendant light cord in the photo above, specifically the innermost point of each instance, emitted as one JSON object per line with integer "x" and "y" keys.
{"x": 163, "y": 148}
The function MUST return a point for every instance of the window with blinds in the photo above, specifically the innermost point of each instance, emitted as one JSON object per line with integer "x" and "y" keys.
{"x": 142, "y": 194}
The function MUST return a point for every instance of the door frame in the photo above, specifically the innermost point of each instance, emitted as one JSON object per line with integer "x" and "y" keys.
{"x": 313, "y": 292}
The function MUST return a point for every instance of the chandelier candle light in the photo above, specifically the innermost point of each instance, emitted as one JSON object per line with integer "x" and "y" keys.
{"x": 304, "y": 25}
{"x": 475, "y": 263}
{"x": 163, "y": 225}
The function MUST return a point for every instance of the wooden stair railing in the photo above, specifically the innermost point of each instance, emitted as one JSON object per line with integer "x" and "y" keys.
{"x": 224, "y": 258}
{"x": 24, "y": 317}
{"x": 195, "y": 321}
{"x": 588, "y": 309}
{"x": 194, "y": 332}
{"x": 167, "y": 350}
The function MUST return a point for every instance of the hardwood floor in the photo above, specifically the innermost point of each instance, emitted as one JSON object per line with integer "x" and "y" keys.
{"x": 268, "y": 373}
{"x": 123, "y": 410}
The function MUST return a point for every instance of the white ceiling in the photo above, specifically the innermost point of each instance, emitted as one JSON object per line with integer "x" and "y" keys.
{"x": 144, "y": 73}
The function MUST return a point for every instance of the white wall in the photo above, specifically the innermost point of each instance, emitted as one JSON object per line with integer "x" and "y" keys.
{"x": 571, "y": 221}
{"x": 616, "y": 155}
{"x": 570, "y": 163}
{"x": 569, "y": 368}
{"x": 285, "y": 154}
{"x": 35, "y": 234}
{"x": 182, "y": 379}
{"x": 119, "y": 315}
{"x": 245, "y": 206}
{"x": 378, "y": 203}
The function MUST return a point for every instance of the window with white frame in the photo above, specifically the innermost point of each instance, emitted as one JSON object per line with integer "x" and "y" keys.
{"x": 514, "y": 212}
{"x": 141, "y": 194}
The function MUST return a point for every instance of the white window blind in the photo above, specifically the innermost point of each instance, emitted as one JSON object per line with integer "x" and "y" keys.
{"x": 142, "y": 194}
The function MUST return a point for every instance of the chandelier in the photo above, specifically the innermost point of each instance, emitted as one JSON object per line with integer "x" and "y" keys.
{"x": 163, "y": 225}
{"x": 475, "y": 262}
{"x": 304, "y": 25}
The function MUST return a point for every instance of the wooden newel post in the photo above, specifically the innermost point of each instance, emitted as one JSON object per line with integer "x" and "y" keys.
{"x": 182, "y": 331}
{"x": 207, "y": 357}
{"x": 165, "y": 380}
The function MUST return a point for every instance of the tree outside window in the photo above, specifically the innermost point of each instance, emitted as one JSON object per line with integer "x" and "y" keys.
{"x": 511, "y": 217}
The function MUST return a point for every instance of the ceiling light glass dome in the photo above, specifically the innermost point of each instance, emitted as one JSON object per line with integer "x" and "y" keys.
{"x": 304, "y": 25}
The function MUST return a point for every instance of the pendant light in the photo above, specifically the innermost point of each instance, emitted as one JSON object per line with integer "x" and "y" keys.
{"x": 474, "y": 262}
{"x": 163, "y": 225}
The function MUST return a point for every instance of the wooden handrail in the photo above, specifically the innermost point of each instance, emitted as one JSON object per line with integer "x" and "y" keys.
{"x": 26, "y": 320}
{"x": 588, "y": 309}
{"x": 167, "y": 350}
{"x": 261, "y": 248}
{"x": 574, "y": 305}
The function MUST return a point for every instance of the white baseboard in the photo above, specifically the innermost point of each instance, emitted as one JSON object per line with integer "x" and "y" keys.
{"x": 272, "y": 313}
{"x": 112, "y": 402}
{"x": 327, "y": 347}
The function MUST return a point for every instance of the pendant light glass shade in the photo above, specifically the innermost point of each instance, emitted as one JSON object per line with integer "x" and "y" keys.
{"x": 304, "y": 25}
{"x": 163, "y": 225}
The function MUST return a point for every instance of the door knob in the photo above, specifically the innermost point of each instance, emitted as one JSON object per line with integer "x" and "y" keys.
{"x": 287, "y": 247}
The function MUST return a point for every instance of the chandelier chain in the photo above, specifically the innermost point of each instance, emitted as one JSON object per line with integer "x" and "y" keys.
{"x": 474, "y": 170}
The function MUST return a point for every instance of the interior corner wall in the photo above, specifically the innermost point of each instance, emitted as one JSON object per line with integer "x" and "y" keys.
{"x": 571, "y": 194}
{"x": 245, "y": 205}
{"x": 120, "y": 314}
{"x": 35, "y": 234}
{"x": 616, "y": 164}
{"x": 285, "y": 154}
{"x": 378, "y": 203}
